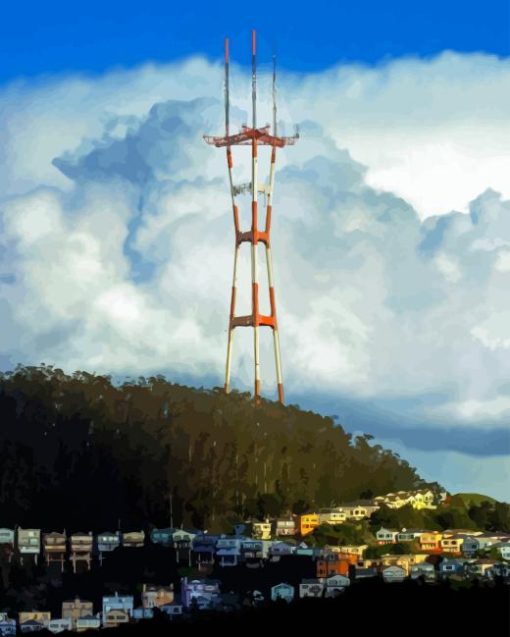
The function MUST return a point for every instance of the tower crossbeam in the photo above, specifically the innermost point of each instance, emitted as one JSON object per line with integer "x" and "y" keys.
{"x": 252, "y": 136}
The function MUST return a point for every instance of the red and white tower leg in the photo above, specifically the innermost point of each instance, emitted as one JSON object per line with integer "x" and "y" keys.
{"x": 254, "y": 137}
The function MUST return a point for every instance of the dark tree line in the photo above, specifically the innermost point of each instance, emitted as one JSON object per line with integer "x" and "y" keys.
{"x": 80, "y": 452}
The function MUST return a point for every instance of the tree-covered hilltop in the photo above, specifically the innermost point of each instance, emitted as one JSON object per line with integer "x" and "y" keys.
{"x": 78, "y": 451}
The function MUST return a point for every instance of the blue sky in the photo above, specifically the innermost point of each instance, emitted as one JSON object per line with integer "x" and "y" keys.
{"x": 49, "y": 37}
{"x": 115, "y": 232}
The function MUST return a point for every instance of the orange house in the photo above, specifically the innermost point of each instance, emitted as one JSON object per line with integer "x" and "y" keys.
{"x": 333, "y": 565}
{"x": 431, "y": 542}
{"x": 308, "y": 522}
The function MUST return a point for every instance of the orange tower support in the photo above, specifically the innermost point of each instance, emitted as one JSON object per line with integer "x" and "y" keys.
{"x": 253, "y": 137}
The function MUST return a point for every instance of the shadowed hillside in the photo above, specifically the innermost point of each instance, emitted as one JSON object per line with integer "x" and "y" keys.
{"x": 80, "y": 452}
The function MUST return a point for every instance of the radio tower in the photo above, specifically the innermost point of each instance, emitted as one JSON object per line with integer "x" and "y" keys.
{"x": 255, "y": 137}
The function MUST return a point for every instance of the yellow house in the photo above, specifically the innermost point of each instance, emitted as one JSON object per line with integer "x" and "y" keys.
{"x": 115, "y": 617}
{"x": 76, "y": 608}
{"x": 308, "y": 522}
{"x": 452, "y": 544}
{"x": 261, "y": 530}
{"x": 404, "y": 561}
{"x": 430, "y": 541}
{"x": 422, "y": 500}
{"x": 42, "y": 617}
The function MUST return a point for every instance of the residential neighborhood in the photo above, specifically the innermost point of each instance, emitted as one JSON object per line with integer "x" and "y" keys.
{"x": 315, "y": 569}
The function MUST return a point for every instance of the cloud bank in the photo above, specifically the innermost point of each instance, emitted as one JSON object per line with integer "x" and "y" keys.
{"x": 391, "y": 237}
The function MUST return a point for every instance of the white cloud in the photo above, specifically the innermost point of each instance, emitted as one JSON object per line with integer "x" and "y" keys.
{"x": 120, "y": 260}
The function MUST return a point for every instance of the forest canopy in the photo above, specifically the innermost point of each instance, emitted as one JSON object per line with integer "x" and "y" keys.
{"x": 79, "y": 451}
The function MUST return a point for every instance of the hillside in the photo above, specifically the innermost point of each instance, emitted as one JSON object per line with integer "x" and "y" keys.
{"x": 473, "y": 499}
{"x": 81, "y": 452}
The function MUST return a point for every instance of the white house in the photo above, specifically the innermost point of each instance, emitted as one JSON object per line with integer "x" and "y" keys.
{"x": 59, "y": 625}
{"x": 336, "y": 584}
{"x": 386, "y": 536}
{"x": 311, "y": 588}
{"x": 393, "y": 574}
{"x": 117, "y": 602}
{"x": 88, "y": 622}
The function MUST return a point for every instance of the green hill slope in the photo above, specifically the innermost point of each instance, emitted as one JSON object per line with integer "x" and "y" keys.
{"x": 79, "y": 451}
{"x": 473, "y": 499}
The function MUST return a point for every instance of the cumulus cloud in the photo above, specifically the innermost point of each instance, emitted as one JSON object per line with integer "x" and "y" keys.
{"x": 117, "y": 239}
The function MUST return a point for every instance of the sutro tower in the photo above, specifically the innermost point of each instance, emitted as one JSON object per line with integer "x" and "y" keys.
{"x": 255, "y": 137}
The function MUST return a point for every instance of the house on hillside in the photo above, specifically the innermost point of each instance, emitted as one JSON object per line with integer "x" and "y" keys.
{"x": 33, "y": 621}
{"x": 261, "y": 530}
{"x": 483, "y": 542}
{"x": 285, "y": 527}
{"x": 143, "y": 613}
{"x": 452, "y": 544}
{"x": 162, "y": 537}
{"x": 32, "y": 626}
{"x": 107, "y": 542}
{"x": 404, "y": 561}
{"x": 203, "y": 548}
{"x": 157, "y": 596}
{"x": 312, "y": 588}
{"x": 418, "y": 499}
{"x": 424, "y": 570}
{"x": 308, "y": 522}
{"x": 359, "y": 509}
{"x": 55, "y": 548}
{"x": 282, "y": 591}
{"x": 133, "y": 539}
{"x": 116, "y": 617}
{"x": 392, "y": 574}
{"x": 253, "y": 552}
{"x": 182, "y": 542}
{"x": 76, "y": 608}
{"x": 480, "y": 568}
{"x": 333, "y": 564}
{"x": 7, "y": 625}
{"x": 422, "y": 499}
{"x": 386, "y": 536}
{"x": 409, "y": 535}
{"x": 353, "y": 550}
{"x": 279, "y": 549}
{"x": 59, "y": 625}
{"x": 88, "y": 622}
{"x": 365, "y": 572}
{"x": 122, "y": 603}
{"x": 336, "y": 585}
{"x": 201, "y": 592}
{"x": 29, "y": 543}
{"x": 450, "y": 567}
{"x": 430, "y": 541}
{"x": 332, "y": 516}
{"x": 228, "y": 550}
{"x": 81, "y": 549}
